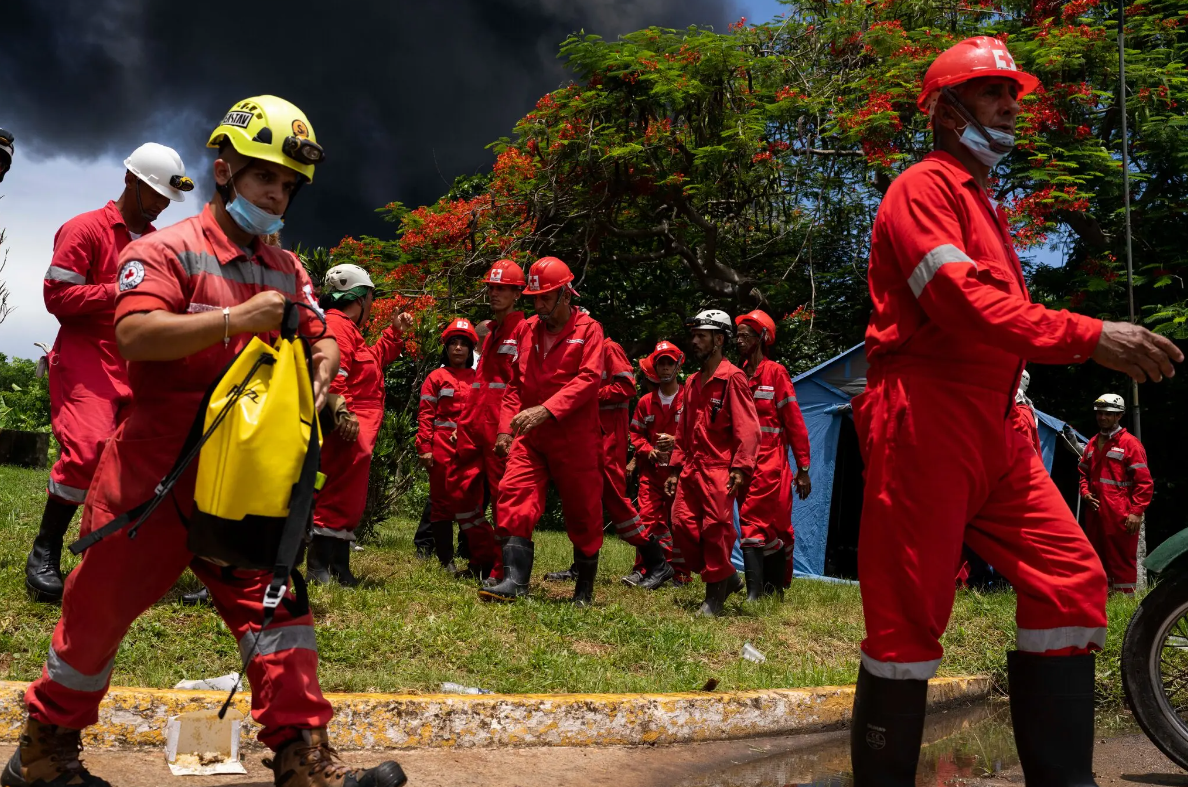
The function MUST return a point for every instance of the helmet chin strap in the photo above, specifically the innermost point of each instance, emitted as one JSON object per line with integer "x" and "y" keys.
{"x": 140, "y": 206}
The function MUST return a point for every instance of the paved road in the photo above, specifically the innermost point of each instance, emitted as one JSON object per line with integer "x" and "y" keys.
{"x": 773, "y": 762}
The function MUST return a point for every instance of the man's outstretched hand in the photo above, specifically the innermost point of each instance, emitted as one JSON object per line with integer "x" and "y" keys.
{"x": 1132, "y": 349}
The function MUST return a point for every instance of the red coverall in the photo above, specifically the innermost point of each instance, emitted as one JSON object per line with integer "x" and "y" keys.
{"x": 88, "y": 381}
{"x": 765, "y": 508}
{"x": 475, "y": 461}
{"x": 1114, "y": 470}
{"x": 1023, "y": 418}
{"x": 614, "y": 400}
{"x": 444, "y": 397}
{"x": 719, "y": 432}
{"x": 652, "y": 418}
{"x": 951, "y": 327}
{"x": 347, "y": 465}
{"x": 568, "y": 447}
{"x": 188, "y": 267}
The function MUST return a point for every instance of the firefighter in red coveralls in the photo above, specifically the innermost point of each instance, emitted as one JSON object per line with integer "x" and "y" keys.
{"x": 548, "y": 425}
{"x": 88, "y": 380}
{"x": 765, "y": 508}
{"x": 614, "y": 401}
{"x": 475, "y": 475}
{"x": 1116, "y": 486}
{"x": 653, "y": 433}
{"x": 444, "y": 397}
{"x": 717, "y": 444}
{"x": 357, "y": 401}
{"x": 191, "y": 297}
{"x": 951, "y": 329}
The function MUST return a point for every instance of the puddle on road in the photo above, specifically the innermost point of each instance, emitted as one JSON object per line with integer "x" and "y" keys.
{"x": 959, "y": 745}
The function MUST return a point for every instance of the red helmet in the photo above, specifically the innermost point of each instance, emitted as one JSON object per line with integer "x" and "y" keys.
{"x": 761, "y": 322}
{"x": 666, "y": 349}
{"x": 505, "y": 272}
{"x": 548, "y": 274}
{"x": 459, "y": 326}
{"x": 649, "y": 369}
{"x": 972, "y": 58}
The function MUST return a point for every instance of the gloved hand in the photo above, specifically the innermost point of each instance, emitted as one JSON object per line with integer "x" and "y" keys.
{"x": 346, "y": 425}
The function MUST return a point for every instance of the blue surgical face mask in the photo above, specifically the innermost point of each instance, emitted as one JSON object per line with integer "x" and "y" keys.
{"x": 980, "y": 146}
{"x": 253, "y": 219}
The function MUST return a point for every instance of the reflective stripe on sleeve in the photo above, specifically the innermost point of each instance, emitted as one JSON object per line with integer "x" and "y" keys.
{"x": 1136, "y": 467}
{"x": 628, "y": 375}
{"x": 928, "y": 267}
{"x": 892, "y": 670}
{"x": 274, "y": 640}
{"x": 65, "y": 675}
{"x": 785, "y": 400}
{"x": 57, "y": 273}
{"x": 636, "y": 423}
{"x": 425, "y": 397}
{"x": 476, "y": 386}
{"x": 446, "y": 392}
{"x": 771, "y": 429}
{"x": 496, "y": 386}
{"x": 1043, "y": 640}
{"x": 446, "y": 424}
{"x": 1111, "y": 482}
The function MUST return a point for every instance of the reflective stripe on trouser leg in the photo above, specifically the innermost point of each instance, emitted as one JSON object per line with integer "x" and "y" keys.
{"x": 916, "y": 670}
{"x": 1044, "y": 640}
{"x": 65, "y": 675}
{"x": 275, "y": 639}
{"x": 629, "y": 529}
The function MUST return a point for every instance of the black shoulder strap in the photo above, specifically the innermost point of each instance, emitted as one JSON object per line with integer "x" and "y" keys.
{"x": 296, "y": 525}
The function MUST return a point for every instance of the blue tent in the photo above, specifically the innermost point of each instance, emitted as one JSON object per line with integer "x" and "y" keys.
{"x": 824, "y": 395}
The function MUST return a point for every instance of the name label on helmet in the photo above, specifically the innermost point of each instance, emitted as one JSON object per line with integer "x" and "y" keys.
{"x": 1003, "y": 60}
{"x": 237, "y": 118}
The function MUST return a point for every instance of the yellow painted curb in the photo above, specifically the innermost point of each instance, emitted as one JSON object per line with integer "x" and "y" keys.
{"x": 136, "y": 717}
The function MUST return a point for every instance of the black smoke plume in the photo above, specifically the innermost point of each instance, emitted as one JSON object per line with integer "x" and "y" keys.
{"x": 404, "y": 95}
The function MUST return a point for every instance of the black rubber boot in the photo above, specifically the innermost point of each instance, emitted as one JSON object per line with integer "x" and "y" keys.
{"x": 734, "y": 584}
{"x": 587, "y": 570}
{"x": 568, "y": 575}
{"x": 43, "y": 569}
{"x": 886, "y": 730}
{"x": 774, "y": 566}
{"x": 1052, "y": 711}
{"x": 317, "y": 560}
{"x": 632, "y": 580}
{"x": 656, "y": 568}
{"x": 423, "y": 538}
{"x": 715, "y": 600}
{"x": 199, "y": 599}
{"x": 753, "y": 567}
{"x": 517, "y": 571}
{"x": 443, "y": 544}
{"x": 340, "y": 562}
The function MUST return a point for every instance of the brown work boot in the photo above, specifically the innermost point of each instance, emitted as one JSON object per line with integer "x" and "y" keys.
{"x": 309, "y": 761}
{"x": 48, "y": 757}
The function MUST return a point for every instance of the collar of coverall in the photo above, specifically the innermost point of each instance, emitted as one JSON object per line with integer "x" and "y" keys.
{"x": 1118, "y": 429}
{"x": 226, "y": 251}
{"x": 111, "y": 212}
{"x": 746, "y": 367}
{"x": 723, "y": 370}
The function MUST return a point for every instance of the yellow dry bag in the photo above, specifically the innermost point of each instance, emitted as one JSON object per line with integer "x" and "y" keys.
{"x": 256, "y": 439}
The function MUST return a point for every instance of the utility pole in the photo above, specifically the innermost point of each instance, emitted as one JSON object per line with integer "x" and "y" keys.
{"x": 1135, "y": 415}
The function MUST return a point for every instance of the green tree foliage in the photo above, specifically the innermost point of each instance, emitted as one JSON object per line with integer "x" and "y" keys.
{"x": 24, "y": 400}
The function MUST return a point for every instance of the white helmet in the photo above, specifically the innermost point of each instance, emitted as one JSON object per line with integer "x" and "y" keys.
{"x": 710, "y": 320}
{"x": 160, "y": 167}
{"x": 1024, "y": 381}
{"x": 1110, "y": 403}
{"x": 345, "y": 277}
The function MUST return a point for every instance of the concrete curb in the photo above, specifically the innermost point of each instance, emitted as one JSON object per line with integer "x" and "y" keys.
{"x": 136, "y": 717}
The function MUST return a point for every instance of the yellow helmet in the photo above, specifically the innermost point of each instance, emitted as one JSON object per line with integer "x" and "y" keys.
{"x": 272, "y": 129}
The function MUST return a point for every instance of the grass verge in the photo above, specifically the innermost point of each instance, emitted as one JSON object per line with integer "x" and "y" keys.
{"x": 409, "y": 627}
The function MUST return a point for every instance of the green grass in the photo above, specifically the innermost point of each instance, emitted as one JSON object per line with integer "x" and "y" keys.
{"x": 409, "y": 627}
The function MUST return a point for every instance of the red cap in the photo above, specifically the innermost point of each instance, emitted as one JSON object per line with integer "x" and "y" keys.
{"x": 505, "y": 272}
{"x": 459, "y": 326}
{"x": 548, "y": 274}
{"x": 666, "y": 349}
{"x": 649, "y": 369}
{"x": 972, "y": 58}
{"x": 761, "y": 322}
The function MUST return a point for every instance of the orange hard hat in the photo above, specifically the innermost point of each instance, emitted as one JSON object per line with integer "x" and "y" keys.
{"x": 972, "y": 58}
{"x": 505, "y": 272}
{"x": 459, "y": 326}
{"x": 649, "y": 369}
{"x": 666, "y": 349}
{"x": 548, "y": 274}
{"x": 761, "y": 322}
